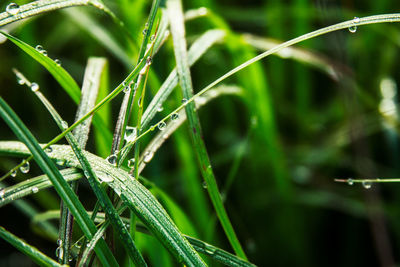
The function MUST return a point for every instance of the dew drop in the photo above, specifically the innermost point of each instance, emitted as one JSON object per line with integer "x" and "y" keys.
{"x": 144, "y": 32}
{"x": 126, "y": 89}
{"x": 48, "y": 149}
{"x": 57, "y": 61}
{"x": 20, "y": 81}
{"x": 2, "y": 192}
{"x": 60, "y": 253}
{"x": 184, "y": 101}
{"x": 148, "y": 156}
{"x": 25, "y": 167}
{"x": 35, "y": 87}
{"x": 60, "y": 162}
{"x": 39, "y": 48}
{"x": 161, "y": 126}
{"x": 13, "y": 173}
{"x": 205, "y": 186}
{"x": 105, "y": 177}
{"x": 366, "y": 185}
{"x": 159, "y": 108}
{"x": 78, "y": 244}
{"x": 112, "y": 159}
{"x": 35, "y": 190}
{"x": 12, "y": 9}
{"x": 130, "y": 133}
{"x": 353, "y": 28}
{"x": 149, "y": 60}
{"x": 152, "y": 38}
{"x": 350, "y": 181}
{"x": 59, "y": 242}
{"x": 64, "y": 125}
{"x": 174, "y": 116}
{"x": 131, "y": 163}
{"x": 209, "y": 249}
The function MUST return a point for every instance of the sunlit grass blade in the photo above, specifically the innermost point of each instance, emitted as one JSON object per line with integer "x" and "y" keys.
{"x": 199, "y": 47}
{"x": 33, "y": 253}
{"x": 60, "y": 185}
{"x": 94, "y": 182}
{"x": 174, "y": 10}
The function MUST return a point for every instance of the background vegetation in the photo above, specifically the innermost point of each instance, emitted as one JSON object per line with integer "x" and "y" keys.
{"x": 325, "y": 109}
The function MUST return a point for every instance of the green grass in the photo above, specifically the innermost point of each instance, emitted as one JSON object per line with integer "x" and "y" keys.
{"x": 249, "y": 178}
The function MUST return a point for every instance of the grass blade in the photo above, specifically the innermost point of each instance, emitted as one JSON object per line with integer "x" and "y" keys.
{"x": 134, "y": 195}
{"x": 175, "y": 13}
{"x": 27, "y": 249}
{"x": 60, "y": 185}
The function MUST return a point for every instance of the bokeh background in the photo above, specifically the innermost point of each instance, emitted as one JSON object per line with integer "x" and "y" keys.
{"x": 326, "y": 109}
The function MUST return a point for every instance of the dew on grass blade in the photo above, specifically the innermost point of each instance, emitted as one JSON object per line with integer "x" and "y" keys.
{"x": 148, "y": 156}
{"x": 131, "y": 163}
{"x": 353, "y": 28}
{"x": 35, "y": 190}
{"x": 204, "y": 184}
{"x": 25, "y": 167}
{"x": 159, "y": 108}
{"x": 13, "y": 173}
{"x": 59, "y": 242}
{"x": 60, "y": 253}
{"x": 184, "y": 101}
{"x": 112, "y": 159}
{"x": 48, "y": 149}
{"x": 210, "y": 250}
{"x": 35, "y": 87}
{"x": 41, "y": 50}
{"x": 2, "y": 192}
{"x": 57, "y": 61}
{"x": 366, "y": 185}
{"x": 105, "y": 177}
{"x": 161, "y": 126}
{"x": 64, "y": 125}
{"x": 350, "y": 181}
{"x": 130, "y": 133}
{"x": 174, "y": 116}
{"x": 13, "y": 9}
{"x": 20, "y": 81}
{"x": 149, "y": 60}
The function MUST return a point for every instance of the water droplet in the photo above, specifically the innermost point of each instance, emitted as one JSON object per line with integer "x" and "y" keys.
{"x": 12, "y": 9}
{"x": 184, "y": 101}
{"x": 159, "y": 108}
{"x": 112, "y": 159}
{"x": 353, "y": 28}
{"x": 39, "y": 48}
{"x": 131, "y": 163}
{"x": 20, "y": 81}
{"x": 126, "y": 89}
{"x": 148, "y": 156}
{"x": 25, "y": 167}
{"x": 144, "y": 32}
{"x": 165, "y": 136}
{"x": 48, "y": 149}
{"x": 350, "y": 181}
{"x": 59, "y": 242}
{"x": 149, "y": 60}
{"x": 161, "y": 126}
{"x": 35, "y": 190}
{"x": 60, "y": 162}
{"x": 366, "y": 185}
{"x": 60, "y": 253}
{"x": 13, "y": 173}
{"x": 78, "y": 244}
{"x": 205, "y": 186}
{"x": 174, "y": 116}
{"x": 105, "y": 177}
{"x": 209, "y": 249}
{"x": 130, "y": 134}
{"x": 64, "y": 125}
{"x": 152, "y": 38}
{"x": 70, "y": 257}
{"x": 34, "y": 87}
{"x": 57, "y": 61}
{"x": 2, "y": 192}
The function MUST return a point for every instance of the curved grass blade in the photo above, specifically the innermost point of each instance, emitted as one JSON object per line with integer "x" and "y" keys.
{"x": 38, "y": 7}
{"x": 132, "y": 192}
{"x": 94, "y": 182}
{"x": 58, "y": 72}
{"x": 34, "y": 185}
{"x": 175, "y": 13}
{"x": 32, "y": 252}
{"x": 60, "y": 185}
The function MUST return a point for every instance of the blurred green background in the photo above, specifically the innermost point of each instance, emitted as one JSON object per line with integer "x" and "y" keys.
{"x": 328, "y": 109}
